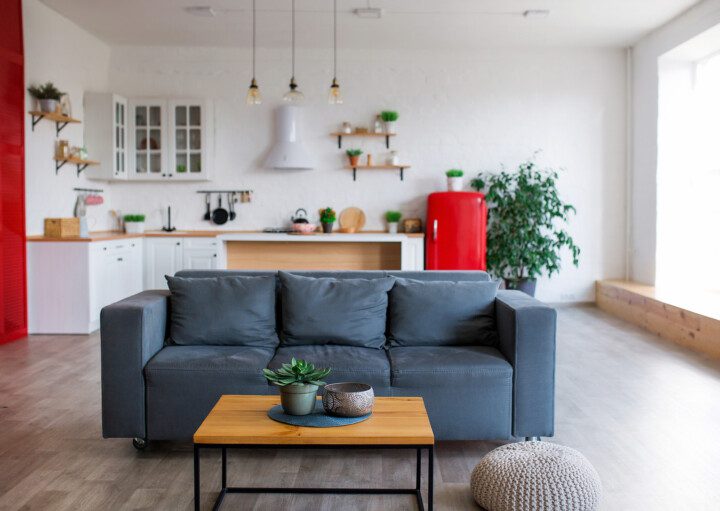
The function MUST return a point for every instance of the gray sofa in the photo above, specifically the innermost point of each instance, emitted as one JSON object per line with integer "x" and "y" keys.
{"x": 153, "y": 389}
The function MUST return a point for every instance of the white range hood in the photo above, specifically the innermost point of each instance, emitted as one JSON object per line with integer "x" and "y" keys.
{"x": 288, "y": 152}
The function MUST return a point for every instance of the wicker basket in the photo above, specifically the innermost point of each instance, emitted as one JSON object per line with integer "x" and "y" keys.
{"x": 62, "y": 227}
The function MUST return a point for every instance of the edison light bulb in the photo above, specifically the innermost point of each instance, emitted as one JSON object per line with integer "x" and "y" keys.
{"x": 253, "y": 95}
{"x": 335, "y": 98}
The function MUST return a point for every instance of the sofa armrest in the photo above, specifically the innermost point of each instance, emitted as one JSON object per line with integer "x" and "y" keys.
{"x": 526, "y": 335}
{"x": 131, "y": 332}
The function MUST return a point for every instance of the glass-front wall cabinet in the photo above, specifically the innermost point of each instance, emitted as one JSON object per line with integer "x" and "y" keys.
{"x": 189, "y": 150}
{"x": 120, "y": 137}
{"x": 149, "y": 126}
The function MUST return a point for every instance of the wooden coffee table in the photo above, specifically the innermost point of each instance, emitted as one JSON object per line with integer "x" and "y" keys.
{"x": 241, "y": 422}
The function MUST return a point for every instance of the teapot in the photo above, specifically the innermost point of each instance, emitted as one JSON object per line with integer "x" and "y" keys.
{"x": 300, "y": 217}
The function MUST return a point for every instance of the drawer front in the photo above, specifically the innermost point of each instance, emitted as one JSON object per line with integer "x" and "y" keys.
{"x": 200, "y": 243}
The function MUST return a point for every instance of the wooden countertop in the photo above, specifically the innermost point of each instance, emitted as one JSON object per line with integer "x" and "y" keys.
{"x": 117, "y": 235}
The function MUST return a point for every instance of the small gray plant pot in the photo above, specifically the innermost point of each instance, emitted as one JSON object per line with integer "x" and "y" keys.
{"x": 327, "y": 227}
{"x": 48, "y": 106}
{"x": 298, "y": 399}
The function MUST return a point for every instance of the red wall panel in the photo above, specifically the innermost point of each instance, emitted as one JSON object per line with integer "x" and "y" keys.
{"x": 13, "y": 289}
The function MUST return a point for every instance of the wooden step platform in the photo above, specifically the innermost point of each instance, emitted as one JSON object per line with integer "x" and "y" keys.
{"x": 690, "y": 319}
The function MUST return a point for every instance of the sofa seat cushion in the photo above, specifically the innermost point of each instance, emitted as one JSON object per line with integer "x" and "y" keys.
{"x": 442, "y": 313}
{"x": 184, "y": 382}
{"x": 461, "y": 386}
{"x": 348, "y": 363}
{"x": 349, "y": 312}
{"x": 223, "y": 311}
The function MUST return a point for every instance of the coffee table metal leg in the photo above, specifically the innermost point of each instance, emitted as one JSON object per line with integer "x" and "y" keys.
{"x": 224, "y": 468}
{"x": 196, "y": 474}
{"x": 418, "y": 475}
{"x": 430, "y": 478}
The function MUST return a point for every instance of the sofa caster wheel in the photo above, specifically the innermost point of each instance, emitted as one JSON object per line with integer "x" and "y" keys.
{"x": 139, "y": 443}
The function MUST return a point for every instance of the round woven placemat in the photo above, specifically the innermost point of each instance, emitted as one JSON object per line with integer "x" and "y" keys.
{"x": 317, "y": 419}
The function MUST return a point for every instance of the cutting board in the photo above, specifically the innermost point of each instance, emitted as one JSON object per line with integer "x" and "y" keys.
{"x": 352, "y": 219}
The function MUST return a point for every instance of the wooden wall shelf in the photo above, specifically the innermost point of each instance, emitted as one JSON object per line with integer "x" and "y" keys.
{"x": 60, "y": 120}
{"x": 80, "y": 164}
{"x": 366, "y": 135}
{"x": 401, "y": 168}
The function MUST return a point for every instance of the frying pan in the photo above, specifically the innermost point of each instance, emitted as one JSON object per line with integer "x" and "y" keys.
{"x": 219, "y": 214}
{"x": 207, "y": 206}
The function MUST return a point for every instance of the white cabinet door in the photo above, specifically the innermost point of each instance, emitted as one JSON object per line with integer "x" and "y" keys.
{"x": 199, "y": 259}
{"x": 105, "y": 134}
{"x": 191, "y": 141}
{"x": 148, "y": 140}
{"x": 163, "y": 256}
{"x": 120, "y": 138}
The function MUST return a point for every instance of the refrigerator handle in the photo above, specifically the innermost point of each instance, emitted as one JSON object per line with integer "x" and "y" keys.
{"x": 435, "y": 227}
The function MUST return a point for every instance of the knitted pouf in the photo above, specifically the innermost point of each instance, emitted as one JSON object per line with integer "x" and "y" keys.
{"x": 535, "y": 476}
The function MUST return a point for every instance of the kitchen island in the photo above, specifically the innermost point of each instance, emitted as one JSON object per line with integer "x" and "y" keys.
{"x": 336, "y": 251}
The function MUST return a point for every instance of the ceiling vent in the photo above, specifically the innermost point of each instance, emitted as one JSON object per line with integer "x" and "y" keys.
{"x": 202, "y": 11}
{"x": 373, "y": 13}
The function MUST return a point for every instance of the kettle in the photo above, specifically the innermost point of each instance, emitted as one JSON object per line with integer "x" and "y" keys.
{"x": 300, "y": 217}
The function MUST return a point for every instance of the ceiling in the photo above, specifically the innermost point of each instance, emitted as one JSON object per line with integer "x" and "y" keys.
{"x": 446, "y": 24}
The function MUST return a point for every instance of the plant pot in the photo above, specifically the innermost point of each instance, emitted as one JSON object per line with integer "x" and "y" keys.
{"x": 527, "y": 286}
{"x": 298, "y": 399}
{"x": 327, "y": 227}
{"x": 455, "y": 184}
{"x": 134, "y": 227}
{"x": 390, "y": 127}
{"x": 392, "y": 227}
{"x": 354, "y": 160}
{"x": 48, "y": 106}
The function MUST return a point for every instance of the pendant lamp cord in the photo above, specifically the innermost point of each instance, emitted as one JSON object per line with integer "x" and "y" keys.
{"x": 293, "y": 39}
{"x": 334, "y": 39}
{"x": 253, "y": 39}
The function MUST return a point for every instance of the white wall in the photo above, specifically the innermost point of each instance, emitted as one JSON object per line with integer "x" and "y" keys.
{"x": 644, "y": 143}
{"x": 59, "y": 51}
{"x": 474, "y": 111}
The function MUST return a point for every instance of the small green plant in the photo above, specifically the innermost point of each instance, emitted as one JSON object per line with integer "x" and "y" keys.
{"x": 327, "y": 216}
{"x": 46, "y": 91}
{"x": 389, "y": 116}
{"x": 180, "y": 169}
{"x": 353, "y": 152}
{"x": 133, "y": 218}
{"x": 297, "y": 372}
{"x": 454, "y": 173}
{"x": 393, "y": 216}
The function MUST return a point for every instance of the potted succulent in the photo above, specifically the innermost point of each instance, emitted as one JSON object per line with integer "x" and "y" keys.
{"x": 134, "y": 224}
{"x": 524, "y": 233}
{"x": 392, "y": 218}
{"x": 47, "y": 95}
{"x": 389, "y": 117}
{"x": 454, "y": 180}
{"x": 354, "y": 156}
{"x": 298, "y": 382}
{"x": 327, "y": 219}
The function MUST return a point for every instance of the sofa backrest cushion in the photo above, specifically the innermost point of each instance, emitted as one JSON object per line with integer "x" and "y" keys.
{"x": 223, "y": 311}
{"x": 349, "y": 312}
{"x": 442, "y": 313}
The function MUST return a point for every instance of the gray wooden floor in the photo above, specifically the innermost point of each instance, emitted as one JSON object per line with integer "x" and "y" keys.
{"x": 646, "y": 414}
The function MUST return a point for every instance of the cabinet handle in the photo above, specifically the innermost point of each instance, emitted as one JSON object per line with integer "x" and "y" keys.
{"x": 120, "y": 258}
{"x": 214, "y": 255}
{"x": 132, "y": 244}
{"x": 169, "y": 175}
{"x": 178, "y": 243}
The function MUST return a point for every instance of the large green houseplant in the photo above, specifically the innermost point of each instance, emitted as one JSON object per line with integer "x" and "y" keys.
{"x": 526, "y": 222}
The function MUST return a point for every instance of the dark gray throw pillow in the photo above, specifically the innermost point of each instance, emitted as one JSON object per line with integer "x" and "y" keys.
{"x": 442, "y": 313}
{"x": 350, "y": 312}
{"x": 223, "y": 311}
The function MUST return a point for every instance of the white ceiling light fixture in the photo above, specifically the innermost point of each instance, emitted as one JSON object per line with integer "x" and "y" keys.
{"x": 536, "y": 13}
{"x": 334, "y": 97}
{"x": 253, "y": 95}
{"x": 293, "y": 95}
{"x": 202, "y": 11}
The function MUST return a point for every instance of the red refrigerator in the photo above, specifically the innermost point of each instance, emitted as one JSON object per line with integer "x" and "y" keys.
{"x": 455, "y": 237}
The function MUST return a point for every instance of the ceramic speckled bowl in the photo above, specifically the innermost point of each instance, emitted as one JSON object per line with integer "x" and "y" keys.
{"x": 348, "y": 399}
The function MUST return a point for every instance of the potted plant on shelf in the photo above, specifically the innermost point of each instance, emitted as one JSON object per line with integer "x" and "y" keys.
{"x": 354, "y": 156}
{"x": 298, "y": 382}
{"x": 389, "y": 117}
{"x": 454, "y": 180}
{"x": 392, "y": 218}
{"x": 524, "y": 234}
{"x": 327, "y": 219}
{"x": 134, "y": 224}
{"x": 47, "y": 95}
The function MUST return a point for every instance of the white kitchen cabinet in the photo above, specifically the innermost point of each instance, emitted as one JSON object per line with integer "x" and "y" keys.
{"x": 148, "y": 139}
{"x": 200, "y": 254}
{"x": 163, "y": 256}
{"x": 105, "y": 135}
{"x": 69, "y": 282}
{"x": 191, "y": 139}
